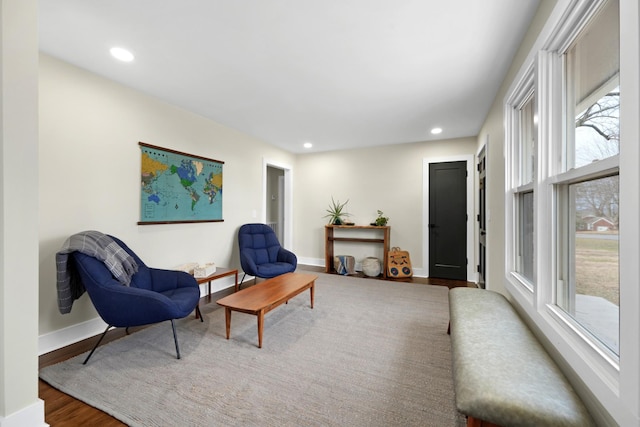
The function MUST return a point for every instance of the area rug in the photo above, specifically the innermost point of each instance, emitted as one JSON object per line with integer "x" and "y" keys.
{"x": 370, "y": 353}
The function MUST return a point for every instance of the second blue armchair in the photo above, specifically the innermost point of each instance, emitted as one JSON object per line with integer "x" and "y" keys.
{"x": 261, "y": 254}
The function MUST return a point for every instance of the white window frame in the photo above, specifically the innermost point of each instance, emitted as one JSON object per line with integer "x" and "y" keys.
{"x": 561, "y": 174}
{"x": 519, "y": 96}
{"x": 611, "y": 390}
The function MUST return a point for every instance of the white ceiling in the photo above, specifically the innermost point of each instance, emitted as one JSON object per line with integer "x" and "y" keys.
{"x": 337, "y": 73}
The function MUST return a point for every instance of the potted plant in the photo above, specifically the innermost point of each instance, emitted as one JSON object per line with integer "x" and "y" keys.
{"x": 336, "y": 213}
{"x": 381, "y": 220}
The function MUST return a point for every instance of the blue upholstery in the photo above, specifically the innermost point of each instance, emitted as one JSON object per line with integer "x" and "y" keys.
{"x": 261, "y": 254}
{"x": 153, "y": 296}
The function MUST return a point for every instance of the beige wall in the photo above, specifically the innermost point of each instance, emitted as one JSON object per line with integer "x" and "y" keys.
{"x": 89, "y": 176}
{"x": 19, "y": 403}
{"x": 89, "y": 166}
{"x": 492, "y": 134}
{"x": 388, "y": 178}
{"x": 89, "y": 179}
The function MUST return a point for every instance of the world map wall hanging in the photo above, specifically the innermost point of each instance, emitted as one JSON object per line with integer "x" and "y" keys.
{"x": 179, "y": 187}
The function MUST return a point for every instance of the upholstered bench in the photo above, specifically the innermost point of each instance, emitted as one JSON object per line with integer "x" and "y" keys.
{"x": 502, "y": 374}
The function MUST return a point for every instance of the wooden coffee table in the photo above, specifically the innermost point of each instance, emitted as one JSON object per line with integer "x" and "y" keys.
{"x": 265, "y": 296}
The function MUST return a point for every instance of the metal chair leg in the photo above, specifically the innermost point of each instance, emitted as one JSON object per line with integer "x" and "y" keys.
{"x": 175, "y": 338}
{"x": 199, "y": 313}
{"x": 97, "y": 344}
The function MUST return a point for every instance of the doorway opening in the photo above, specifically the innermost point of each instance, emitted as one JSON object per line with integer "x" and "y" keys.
{"x": 277, "y": 204}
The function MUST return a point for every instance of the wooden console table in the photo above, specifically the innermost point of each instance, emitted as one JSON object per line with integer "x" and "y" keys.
{"x": 330, "y": 238}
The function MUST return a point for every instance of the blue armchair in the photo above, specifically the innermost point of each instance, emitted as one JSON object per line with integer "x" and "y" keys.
{"x": 153, "y": 296}
{"x": 261, "y": 254}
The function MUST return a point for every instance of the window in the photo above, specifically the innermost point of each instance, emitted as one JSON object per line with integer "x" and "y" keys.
{"x": 527, "y": 145}
{"x": 521, "y": 117}
{"x": 586, "y": 186}
{"x": 585, "y": 296}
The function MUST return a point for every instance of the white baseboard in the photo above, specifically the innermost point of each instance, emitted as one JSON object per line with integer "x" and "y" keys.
{"x": 70, "y": 335}
{"x": 316, "y": 262}
{"x": 32, "y": 415}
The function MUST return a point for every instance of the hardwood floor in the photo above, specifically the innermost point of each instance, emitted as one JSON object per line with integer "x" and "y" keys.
{"x": 62, "y": 410}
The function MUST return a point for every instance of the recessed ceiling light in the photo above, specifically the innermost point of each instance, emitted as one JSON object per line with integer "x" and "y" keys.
{"x": 436, "y": 131}
{"x": 121, "y": 54}
{"x": 307, "y": 145}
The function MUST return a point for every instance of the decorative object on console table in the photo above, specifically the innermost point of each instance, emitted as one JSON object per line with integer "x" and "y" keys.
{"x": 381, "y": 220}
{"x": 371, "y": 266}
{"x": 344, "y": 264}
{"x": 335, "y": 212}
{"x": 330, "y": 238}
{"x": 399, "y": 264}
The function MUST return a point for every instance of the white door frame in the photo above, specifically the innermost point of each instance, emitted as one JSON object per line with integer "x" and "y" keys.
{"x": 287, "y": 227}
{"x": 469, "y": 158}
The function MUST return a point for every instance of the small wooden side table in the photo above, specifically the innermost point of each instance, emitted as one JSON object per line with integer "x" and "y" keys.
{"x": 218, "y": 274}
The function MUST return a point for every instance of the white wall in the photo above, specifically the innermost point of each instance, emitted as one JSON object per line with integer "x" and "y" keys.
{"x": 90, "y": 179}
{"x": 388, "y": 178}
{"x": 19, "y": 403}
{"x": 492, "y": 134}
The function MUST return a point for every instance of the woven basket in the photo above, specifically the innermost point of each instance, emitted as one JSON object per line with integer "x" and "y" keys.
{"x": 371, "y": 267}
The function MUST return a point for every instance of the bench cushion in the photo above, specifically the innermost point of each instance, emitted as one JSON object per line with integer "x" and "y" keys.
{"x": 502, "y": 374}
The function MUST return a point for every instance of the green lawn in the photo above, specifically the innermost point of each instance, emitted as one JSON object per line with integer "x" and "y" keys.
{"x": 597, "y": 269}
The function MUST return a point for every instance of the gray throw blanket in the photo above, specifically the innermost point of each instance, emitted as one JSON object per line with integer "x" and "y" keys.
{"x": 95, "y": 244}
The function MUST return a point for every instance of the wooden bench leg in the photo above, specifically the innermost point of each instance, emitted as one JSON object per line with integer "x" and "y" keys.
{"x": 474, "y": 422}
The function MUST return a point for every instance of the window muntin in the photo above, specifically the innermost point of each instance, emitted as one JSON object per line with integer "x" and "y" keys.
{"x": 524, "y": 131}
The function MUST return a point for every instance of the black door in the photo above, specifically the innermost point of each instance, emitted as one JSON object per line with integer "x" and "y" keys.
{"x": 448, "y": 220}
{"x": 482, "y": 218}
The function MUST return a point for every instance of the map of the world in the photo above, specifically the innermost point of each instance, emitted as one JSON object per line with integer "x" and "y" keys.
{"x": 179, "y": 187}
